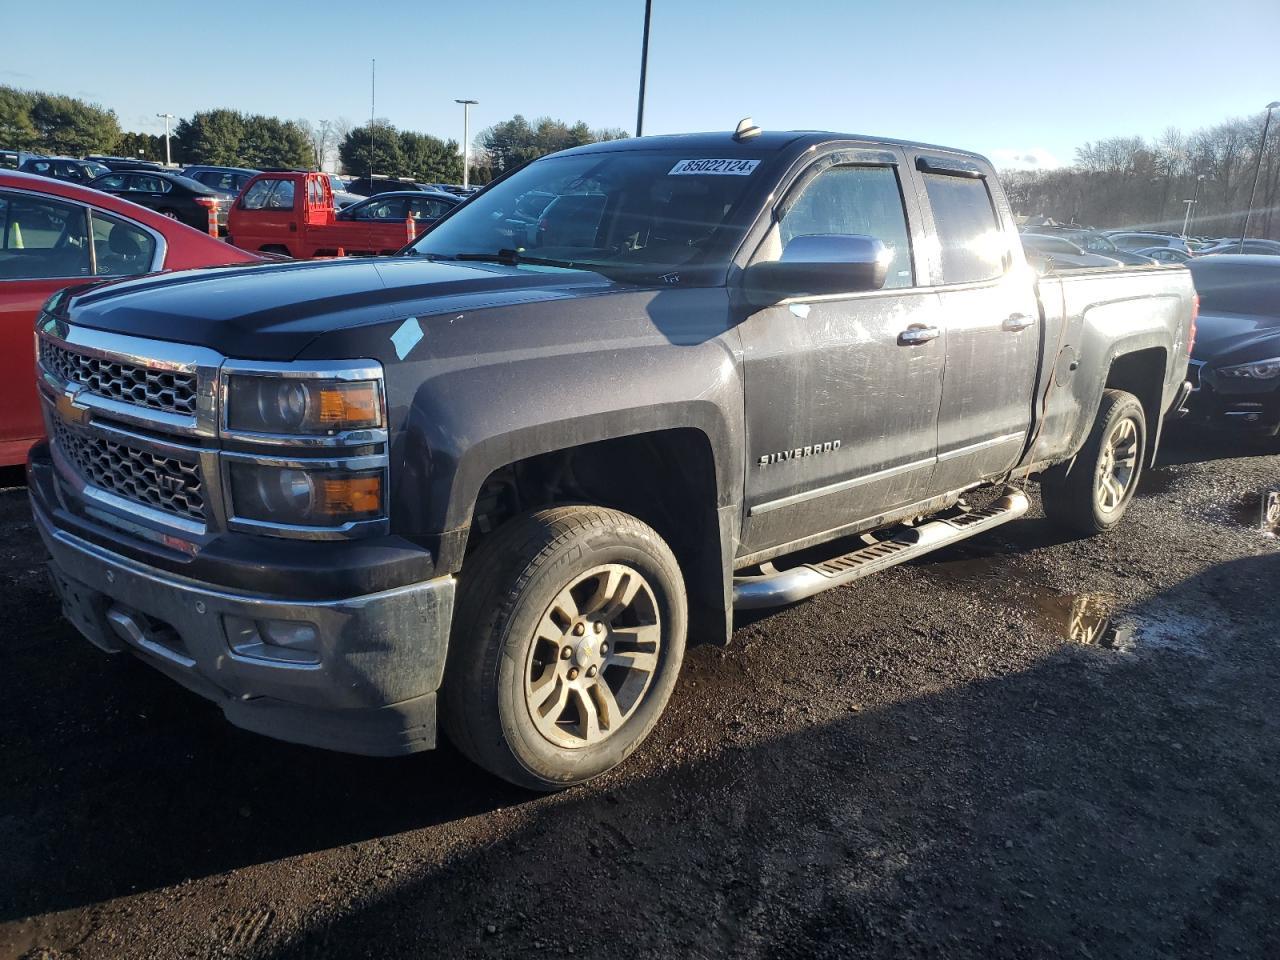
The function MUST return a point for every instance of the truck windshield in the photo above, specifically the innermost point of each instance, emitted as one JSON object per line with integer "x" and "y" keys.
{"x": 630, "y": 212}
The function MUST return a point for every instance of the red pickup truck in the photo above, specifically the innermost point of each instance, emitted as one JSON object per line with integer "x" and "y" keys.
{"x": 293, "y": 213}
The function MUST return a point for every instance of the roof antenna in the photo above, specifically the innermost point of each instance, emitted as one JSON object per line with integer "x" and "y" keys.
{"x": 746, "y": 130}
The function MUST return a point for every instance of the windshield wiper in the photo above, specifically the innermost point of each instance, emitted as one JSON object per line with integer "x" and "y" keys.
{"x": 510, "y": 257}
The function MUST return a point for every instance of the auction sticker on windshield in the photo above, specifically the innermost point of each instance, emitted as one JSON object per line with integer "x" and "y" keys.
{"x": 721, "y": 168}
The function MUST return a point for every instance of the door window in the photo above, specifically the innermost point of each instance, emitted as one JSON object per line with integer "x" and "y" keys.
{"x": 862, "y": 200}
{"x": 121, "y": 249}
{"x": 113, "y": 182}
{"x": 41, "y": 239}
{"x": 428, "y": 208}
{"x": 282, "y": 196}
{"x": 972, "y": 243}
{"x": 256, "y": 197}
{"x": 383, "y": 210}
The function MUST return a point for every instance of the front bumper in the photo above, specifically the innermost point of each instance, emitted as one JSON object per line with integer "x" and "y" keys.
{"x": 1248, "y": 407}
{"x": 369, "y": 687}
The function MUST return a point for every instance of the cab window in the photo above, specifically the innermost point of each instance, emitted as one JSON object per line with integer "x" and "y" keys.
{"x": 861, "y": 200}
{"x": 255, "y": 197}
{"x": 282, "y": 196}
{"x": 972, "y": 244}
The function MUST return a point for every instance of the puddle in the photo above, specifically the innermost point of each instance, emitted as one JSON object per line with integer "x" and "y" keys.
{"x": 1258, "y": 511}
{"x": 1082, "y": 618}
{"x": 1155, "y": 483}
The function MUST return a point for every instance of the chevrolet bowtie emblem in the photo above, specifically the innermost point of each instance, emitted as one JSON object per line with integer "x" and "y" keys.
{"x": 69, "y": 410}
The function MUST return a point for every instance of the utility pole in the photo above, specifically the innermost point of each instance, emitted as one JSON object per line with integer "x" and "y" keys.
{"x": 373, "y": 99}
{"x": 1195, "y": 198}
{"x": 1257, "y": 166}
{"x": 644, "y": 67}
{"x": 466, "y": 140}
{"x": 166, "y": 117}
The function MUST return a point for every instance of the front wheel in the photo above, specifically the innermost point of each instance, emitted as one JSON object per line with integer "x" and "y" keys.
{"x": 569, "y": 634}
{"x": 1091, "y": 493}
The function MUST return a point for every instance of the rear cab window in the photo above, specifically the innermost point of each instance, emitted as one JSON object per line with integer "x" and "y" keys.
{"x": 971, "y": 242}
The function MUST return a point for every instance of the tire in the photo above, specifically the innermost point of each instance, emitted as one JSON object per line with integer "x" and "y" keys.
{"x": 528, "y": 666}
{"x": 1074, "y": 494}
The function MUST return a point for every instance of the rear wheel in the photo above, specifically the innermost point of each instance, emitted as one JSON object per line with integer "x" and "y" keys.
{"x": 569, "y": 634}
{"x": 1091, "y": 493}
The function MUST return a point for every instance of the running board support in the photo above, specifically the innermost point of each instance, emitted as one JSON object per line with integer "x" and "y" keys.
{"x": 797, "y": 583}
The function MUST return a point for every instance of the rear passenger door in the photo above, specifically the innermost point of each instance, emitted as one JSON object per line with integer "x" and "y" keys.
{"x": 992, "y": 322}
{"x": 841, "y": 409}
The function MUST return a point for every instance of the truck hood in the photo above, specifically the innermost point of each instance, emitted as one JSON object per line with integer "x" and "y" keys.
{"x": 1236, "y": 338}
{"x": 272, "y": 311}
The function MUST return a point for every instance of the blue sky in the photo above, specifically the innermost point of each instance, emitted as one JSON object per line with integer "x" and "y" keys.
{"x": 1006, "y": 78}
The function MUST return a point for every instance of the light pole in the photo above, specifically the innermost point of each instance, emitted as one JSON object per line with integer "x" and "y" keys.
{"x": 466, "y": 140}
{"x": 1257, "y": 166}
{"x": 166, "y": 117}
{"x": 644, "y": 67}
{"x": 1195, "y": 198}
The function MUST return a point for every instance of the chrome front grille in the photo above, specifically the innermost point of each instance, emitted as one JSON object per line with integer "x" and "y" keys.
{"x": 155, "y": 389}
{"x": 171, "y": 484}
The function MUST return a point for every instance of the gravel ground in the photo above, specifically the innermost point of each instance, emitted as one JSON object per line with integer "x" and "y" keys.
{"x": 922, "y": 764}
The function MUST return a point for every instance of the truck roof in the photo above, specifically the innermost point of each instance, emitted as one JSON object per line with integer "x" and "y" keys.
{"x": 769, "y": 141}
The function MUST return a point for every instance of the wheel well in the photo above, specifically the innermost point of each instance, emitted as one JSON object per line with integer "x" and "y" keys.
{"x": 666, "y": 479}
{"x": 1142, "y": 374}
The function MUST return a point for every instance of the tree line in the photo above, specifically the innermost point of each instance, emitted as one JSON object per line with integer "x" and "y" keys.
{"x": 55, "y": 124}
{"x": 1136, "y": 182}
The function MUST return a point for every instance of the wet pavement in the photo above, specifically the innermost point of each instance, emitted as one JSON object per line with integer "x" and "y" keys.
{"x": 1021, "y": 746}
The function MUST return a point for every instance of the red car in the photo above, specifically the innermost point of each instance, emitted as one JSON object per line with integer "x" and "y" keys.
{"x": 55, "y": 234}
{"x": 292, "y": 213}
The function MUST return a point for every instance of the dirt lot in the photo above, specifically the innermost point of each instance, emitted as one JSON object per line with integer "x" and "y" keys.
{"x": 923, "y": 764}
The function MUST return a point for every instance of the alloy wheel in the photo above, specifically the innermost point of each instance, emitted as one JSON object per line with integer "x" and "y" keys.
{"x": 594, "y": 656}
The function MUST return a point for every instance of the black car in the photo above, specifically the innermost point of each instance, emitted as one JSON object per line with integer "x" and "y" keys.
{"x": 225, "y": 180}
{"x": 171, "y": 194}
{"x": 116, "y": 164}
{"x": 371, "y": 187}
{"x": 1235, "y": 365}
{"x": 64, "y": 168}
{"x": 400, "y": 205}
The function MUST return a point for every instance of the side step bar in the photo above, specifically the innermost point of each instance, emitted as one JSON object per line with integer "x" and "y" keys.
{"x": 797, "y": 583}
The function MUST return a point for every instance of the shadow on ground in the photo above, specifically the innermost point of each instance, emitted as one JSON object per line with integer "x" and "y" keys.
{"x": 1098, "y": 804}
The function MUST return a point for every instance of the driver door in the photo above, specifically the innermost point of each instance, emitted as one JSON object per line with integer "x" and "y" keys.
{"x": 841, "y": 408}
{"x": 43, "y": 247}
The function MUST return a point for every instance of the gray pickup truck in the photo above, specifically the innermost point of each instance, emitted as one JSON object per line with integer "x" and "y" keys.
{"x": 494, "y": 482}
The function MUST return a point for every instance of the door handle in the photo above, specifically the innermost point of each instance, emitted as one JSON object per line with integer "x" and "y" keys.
{"x": 1017, "y": 321}
{"x": 918, "y": 333}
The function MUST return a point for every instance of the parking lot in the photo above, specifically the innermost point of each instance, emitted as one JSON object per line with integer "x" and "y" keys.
{"x": 922, "y": 764}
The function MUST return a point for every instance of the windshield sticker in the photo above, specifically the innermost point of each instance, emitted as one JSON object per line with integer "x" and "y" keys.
{"x": 717, "y": 168}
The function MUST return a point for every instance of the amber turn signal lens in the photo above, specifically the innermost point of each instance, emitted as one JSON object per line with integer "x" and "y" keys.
{"x": 347, "y": 496}
{"x": 349, "y": 405}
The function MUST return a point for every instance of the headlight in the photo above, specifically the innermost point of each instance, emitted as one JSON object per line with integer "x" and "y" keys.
{"x": 305, "y": 497}
{"x": 286, "y": 405}
{"x": 1258, "y": 370}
